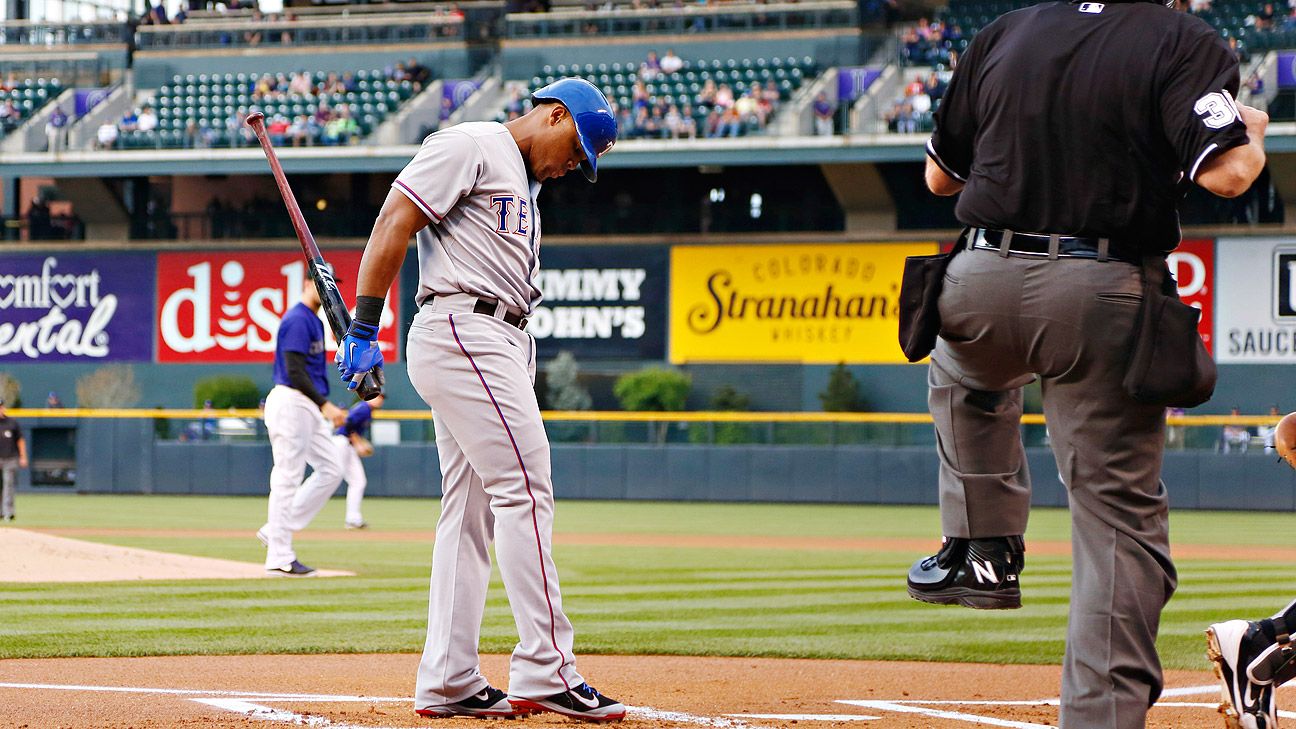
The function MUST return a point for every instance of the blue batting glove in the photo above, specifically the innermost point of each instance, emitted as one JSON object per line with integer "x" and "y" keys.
{"x": 358, "y": 353}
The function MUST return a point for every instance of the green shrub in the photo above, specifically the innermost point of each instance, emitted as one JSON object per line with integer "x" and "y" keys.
{"x": 653, "y": 389}
{"x": 842, "y": 394}
{"x": 725, "y": 399}
{"x": 227, "y": 392}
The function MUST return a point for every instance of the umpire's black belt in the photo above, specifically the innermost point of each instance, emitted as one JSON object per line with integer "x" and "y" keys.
{"x": 1034, "y": 245}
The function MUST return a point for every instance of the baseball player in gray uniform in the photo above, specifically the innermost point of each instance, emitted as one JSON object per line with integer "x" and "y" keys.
{"x": 470, "y": 194}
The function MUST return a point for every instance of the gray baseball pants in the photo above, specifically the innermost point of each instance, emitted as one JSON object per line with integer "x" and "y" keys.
{"x": 1006, "y": 320}
{"x": 477, "y": 374}
{"x": 8, "y": 485}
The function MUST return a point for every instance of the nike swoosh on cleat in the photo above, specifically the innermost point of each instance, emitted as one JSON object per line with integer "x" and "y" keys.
{"x": 586, "y": 704}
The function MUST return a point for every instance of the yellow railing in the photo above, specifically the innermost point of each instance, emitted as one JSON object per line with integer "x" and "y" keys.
{"x": 619, "y": 416}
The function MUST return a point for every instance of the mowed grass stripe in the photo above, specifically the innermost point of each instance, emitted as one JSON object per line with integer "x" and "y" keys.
{"x": 623, "y": 599}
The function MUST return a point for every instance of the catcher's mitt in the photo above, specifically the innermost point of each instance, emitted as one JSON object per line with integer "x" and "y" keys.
{"x": 363, "y": 447}
{"x": 1285, "y": 439}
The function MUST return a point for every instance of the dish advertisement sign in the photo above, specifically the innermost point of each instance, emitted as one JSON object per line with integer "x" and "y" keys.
{"x": 225, "y": 306}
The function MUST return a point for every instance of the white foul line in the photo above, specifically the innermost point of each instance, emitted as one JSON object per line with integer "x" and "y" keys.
{"x": 939, "y": 714}
{"x": 809, "y": 717}
{"x": 201, "y": 692}
{"x": 238, "y": 702}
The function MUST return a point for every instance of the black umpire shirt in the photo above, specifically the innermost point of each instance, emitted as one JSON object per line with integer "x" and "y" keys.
{"x": 1081, "y": 118}
{"x": 10, "y": 434}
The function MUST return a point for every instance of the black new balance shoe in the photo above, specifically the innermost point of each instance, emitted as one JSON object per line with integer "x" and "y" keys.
{"x": 975, "y": 573}
{"x": 582, "y": 702}
{"x": 296, "y": 569}
{"x": 490, "y": 703}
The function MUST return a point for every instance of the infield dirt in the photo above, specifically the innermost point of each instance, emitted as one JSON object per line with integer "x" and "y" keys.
{"x": 714, "y": 692}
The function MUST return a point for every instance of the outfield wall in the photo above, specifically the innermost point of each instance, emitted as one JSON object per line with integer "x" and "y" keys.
{"x": 66, "y": 312}
{"x": 122, "y": 456}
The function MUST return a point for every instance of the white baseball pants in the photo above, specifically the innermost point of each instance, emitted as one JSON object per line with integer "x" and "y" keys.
{"x": 299, "y": 435}
{"x": 353, "y": 473}
{"x": 477, "y": 374}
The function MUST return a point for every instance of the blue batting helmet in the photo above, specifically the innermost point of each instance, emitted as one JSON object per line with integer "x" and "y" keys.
{"x": 596, "y": 126}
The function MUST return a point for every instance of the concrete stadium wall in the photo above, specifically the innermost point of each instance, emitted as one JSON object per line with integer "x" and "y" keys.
{"x": 154, "y": 69}
{"x": 121, "y": 456}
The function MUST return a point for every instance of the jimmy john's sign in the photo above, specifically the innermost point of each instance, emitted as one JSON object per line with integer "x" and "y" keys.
{"x": 813, "y": 304}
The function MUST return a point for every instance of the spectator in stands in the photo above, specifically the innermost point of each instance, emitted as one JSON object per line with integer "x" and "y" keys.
{"x": 130, "y": 120}
{"x": 517, "y": 104}
{"x": 147, "y": 120}
{"x": 349, "y": 82}
{"x": 920, "y": 101}
{"x": 1233, "y": 438}
{"x": 650, "y": 69}
{"x": 934, "y": 87}
{"x": 688, "y": 128}
{"x": 192, "y": 137}
{"x": 1265, "y": 19}
{"x": 824, "y": 111}
{"x": 106, "y": 137}
{"x": 729, "y": 124}
{"x": 625, "y": 122}
{"x": 747, "y": 108}
{"x": 300, "y": 132}
{"x": 10, "y": 115}
{"x": 278, "y": 129}
{"x": 300, "y": 83}
{"x": 342, "y": 128}
{"x": 323, "y": 114}
{"x": 654, "y": 127}
{"x": 639, "y": 96}
{"x": 253, "y": 37}
{"x": 671, "y": 64}
{"x": 55, "y": 128}
{"x": 1239, "y": 51}
{"x": 10, "y": 82}
{"x": 39, "y": 223}
{"x": 706, "y": 98}
{"x": 1199, "y": 7}
{"x": 770, "y": 97}
{"x": 724, "y": 97}
{"x": 419, "y": 75}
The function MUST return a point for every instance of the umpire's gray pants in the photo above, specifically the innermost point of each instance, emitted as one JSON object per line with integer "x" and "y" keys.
{"x": 8, "y": 485}
{"x": 1069, "y": 322}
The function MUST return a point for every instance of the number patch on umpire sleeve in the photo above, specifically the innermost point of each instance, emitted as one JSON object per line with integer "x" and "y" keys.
{"x": 1217, "y": 109}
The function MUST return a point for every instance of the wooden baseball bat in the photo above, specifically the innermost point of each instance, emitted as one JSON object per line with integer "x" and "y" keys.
{"x": 335, "y": 309}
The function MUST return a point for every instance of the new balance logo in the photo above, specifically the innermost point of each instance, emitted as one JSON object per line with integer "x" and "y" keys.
{"x": 984, "y": 572}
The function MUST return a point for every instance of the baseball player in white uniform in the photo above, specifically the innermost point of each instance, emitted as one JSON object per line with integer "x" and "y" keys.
{"x": 299, "y": 419}
{"x": 470, "y": 194}
{"x": 352, "y": 445}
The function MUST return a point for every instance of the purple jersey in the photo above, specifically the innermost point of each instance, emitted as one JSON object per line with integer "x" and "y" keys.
{"x": 301, "y": 331}
{"x": 357, "y": 421}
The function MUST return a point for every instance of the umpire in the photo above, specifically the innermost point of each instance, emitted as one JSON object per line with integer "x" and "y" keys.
{"x": 1069, "y": 128}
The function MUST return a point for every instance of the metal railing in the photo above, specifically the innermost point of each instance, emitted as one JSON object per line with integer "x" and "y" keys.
{"x": 703, "y": 19}
{"x": 1187, "y": 432}
{"x": 381, "y": 29}
{"x": 54, "y": 35}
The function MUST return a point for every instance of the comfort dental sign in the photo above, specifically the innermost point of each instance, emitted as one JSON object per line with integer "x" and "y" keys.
{"x": 69, "y": 307}
{"x": 817, "y": 304}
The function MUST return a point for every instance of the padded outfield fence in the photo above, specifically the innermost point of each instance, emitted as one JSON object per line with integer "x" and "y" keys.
{"x": 864, "y": 458}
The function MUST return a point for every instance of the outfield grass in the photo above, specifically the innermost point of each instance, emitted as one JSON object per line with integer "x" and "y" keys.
{"x": 623, "y": 599}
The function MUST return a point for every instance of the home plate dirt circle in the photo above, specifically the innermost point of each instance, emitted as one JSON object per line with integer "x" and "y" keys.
{"x": 343, "y": 691}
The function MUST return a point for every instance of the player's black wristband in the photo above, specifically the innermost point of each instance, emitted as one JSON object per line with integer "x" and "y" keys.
{"x": 369, "y": 310}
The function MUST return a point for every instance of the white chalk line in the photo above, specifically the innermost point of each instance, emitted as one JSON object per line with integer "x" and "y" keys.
{"x": 328, "y": 698}
{"x": 240, "y": 702}
{"x": 922, "y": 706}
